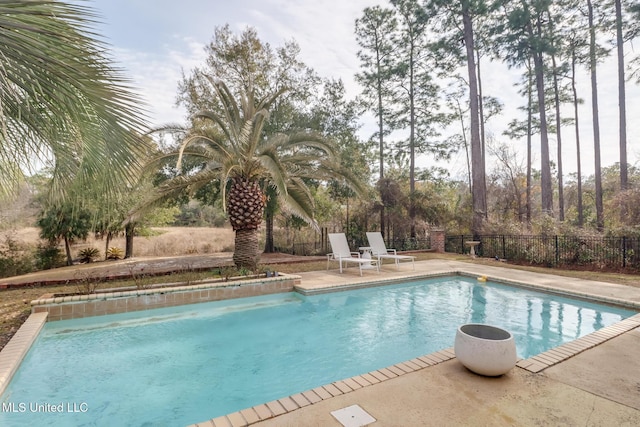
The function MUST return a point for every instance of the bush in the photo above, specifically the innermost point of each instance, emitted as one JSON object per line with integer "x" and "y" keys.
{"x": 115, "y": 253}
{"x": 49, "y": 256}
{"x": 87, "y": 255}
{"x": 14, "y": 259}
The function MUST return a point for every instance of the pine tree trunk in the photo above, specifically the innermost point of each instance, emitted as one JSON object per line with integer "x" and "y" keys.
{"x": 546, "y": 188}
{"x": 381, "y": 141}
{"x": 529, "y": 131}
{"x": 481, "y": 120}
{"x": 596, "y": 121}
{"x": 412, "y": 147}
{"x": 477, "y": 157}
{"x": 578, "y": 161}
{"x": 623, "y": 108}
{"x": 556, "y": 91}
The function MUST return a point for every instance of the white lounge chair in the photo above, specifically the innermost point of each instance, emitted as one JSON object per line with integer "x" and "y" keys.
{"x": 342, "y": 253}
{"x": 379, "y": 250}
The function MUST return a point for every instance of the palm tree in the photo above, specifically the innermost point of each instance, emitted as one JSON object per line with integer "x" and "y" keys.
{"x": 62, "y": 104}
{"x": 232, "y": 148}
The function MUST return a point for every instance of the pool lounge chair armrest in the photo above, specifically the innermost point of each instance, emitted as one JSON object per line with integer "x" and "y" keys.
{"x": 332, "y": 256}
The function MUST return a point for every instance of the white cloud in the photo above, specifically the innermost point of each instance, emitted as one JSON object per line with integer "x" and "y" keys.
{"x": 156, "y": 76}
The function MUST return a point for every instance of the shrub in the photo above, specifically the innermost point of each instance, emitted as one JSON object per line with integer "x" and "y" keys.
{"x": 141, "y": 279}
{"x": 14, "y": 259}
{"x": 86, "y": 282}
{"x": 88, "y": 255}
{"x": 115, "y": 253}
{"x": 48, "y": 256}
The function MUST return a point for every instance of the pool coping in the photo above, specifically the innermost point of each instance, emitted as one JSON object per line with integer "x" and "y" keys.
{"x": 14, "y": 352}
{"x": 17, "y": 348}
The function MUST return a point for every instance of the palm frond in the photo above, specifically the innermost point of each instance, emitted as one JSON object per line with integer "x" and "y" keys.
{"x": 298, "y": 200}
{"x": 170, "y": 190}
{"x": 275, "y": 171}
{"x": 60, "y": 98}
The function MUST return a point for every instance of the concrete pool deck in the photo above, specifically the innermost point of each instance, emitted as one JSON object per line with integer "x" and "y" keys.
{"x": 593, "y": 381}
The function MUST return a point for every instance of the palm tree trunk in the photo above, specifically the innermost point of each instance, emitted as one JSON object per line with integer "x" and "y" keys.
{"x": 67, "y": 249}
{"x": 245, "y": 208}
{"x": 128, "y": 233}
{"x": 246, "y": 253}
{"x": 106, "y": 245}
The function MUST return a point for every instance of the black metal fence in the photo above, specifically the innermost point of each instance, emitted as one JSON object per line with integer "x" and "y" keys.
{"x": 609, "y": 252}
{"x": 303, "y": 248}
{"x": 321, "y": 247}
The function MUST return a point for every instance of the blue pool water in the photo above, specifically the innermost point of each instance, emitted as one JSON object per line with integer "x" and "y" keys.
{"x": 177, "y": 366}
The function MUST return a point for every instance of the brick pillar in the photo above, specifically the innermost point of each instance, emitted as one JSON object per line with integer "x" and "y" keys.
{"x": 437, "y": 240}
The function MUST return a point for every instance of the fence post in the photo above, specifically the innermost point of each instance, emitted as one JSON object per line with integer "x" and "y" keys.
{"x": 624, "y": 251}
{"x": 438, "y": 241}
{"x": 557, "y": 251}
{"x": 504, "y": 249}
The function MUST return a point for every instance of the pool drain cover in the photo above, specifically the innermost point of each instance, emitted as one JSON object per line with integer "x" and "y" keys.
{"x": 353, "y": 416}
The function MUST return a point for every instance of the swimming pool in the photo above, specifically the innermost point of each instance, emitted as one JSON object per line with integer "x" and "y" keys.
{"x": 183, "y": 365}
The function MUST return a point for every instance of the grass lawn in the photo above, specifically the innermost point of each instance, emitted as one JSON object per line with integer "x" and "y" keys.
{"x": 15, "y": 306}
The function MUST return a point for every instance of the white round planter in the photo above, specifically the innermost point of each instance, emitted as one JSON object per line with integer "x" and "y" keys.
{"x": 485, "y": 349}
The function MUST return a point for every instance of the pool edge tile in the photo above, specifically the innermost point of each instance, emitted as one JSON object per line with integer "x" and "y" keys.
{"x": 312, "y": 396}
{"x": 263, "y": 411}
{"x": 342, "y": 386}
{"x": 14, "y": 352}
{"x": 221, "y": 422}
{"x": 276, "y": 408}
{"x": 288, "y": 404}
{"x": 300, "y": 400}
{"x": 250, "y": 416}
{"x": 322, "y": 393}
{"x": 363, "y": 382}
{"x": 237, "y": 420}
{"x": 332, "y": 390}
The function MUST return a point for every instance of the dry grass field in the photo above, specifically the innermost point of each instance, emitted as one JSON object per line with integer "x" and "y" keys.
{"x": 164, "y": 241}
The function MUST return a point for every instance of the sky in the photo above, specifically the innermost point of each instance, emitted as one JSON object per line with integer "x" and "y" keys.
{"x": 155, "y": 41}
